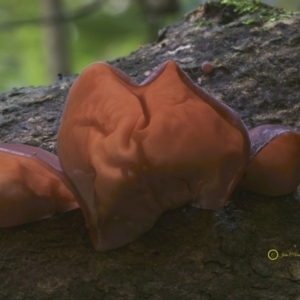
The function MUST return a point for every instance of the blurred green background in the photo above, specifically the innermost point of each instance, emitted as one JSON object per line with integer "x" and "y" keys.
{"x": 41, "y": 38}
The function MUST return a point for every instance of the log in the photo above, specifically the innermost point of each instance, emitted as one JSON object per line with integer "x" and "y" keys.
{"x": 189, "y": 253}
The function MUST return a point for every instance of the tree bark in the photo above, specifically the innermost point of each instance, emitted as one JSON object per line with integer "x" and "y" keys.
{"x": 189, "y": 253}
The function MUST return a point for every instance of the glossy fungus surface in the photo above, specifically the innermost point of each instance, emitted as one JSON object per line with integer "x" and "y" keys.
{"x": 32, "y": 185}
{"x": 275, "y": 165}
{"x": 207, "y": 67}
{"x": 132, "y": 151}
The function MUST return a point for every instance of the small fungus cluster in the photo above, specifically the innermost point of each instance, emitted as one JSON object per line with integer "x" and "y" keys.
{"x": 128, "y": 152}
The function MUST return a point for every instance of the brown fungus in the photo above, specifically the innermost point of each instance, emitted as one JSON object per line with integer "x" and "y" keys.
{"x": 274, "y": 169}
{"x": 207, "y": 67}
{"x": 133, "y": 151}
{"x": 32, "y": 185}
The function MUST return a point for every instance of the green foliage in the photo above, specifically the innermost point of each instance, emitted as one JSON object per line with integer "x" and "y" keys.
{"x": 104, "y": 37}
{"x": 21, "y": 48}
{"x": 99, "y": 36}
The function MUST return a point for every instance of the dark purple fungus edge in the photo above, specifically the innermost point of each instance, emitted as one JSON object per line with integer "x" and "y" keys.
{"x": 262, "y": 135}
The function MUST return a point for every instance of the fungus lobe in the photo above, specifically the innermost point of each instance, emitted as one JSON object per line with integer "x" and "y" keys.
{"x": 132, "y": 151}
{"x": 32, "y": 185}
{"x": 274, "y": 169}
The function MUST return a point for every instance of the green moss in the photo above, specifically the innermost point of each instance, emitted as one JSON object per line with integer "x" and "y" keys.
{"x": 243, "y": 6}
{"x": 256, "y": 10}
{"x": 243, "y": 12}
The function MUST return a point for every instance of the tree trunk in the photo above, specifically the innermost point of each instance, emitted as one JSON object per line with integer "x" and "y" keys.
{"x": 56, "y": 39}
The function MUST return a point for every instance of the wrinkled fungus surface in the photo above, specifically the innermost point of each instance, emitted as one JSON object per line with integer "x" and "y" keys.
{"x": 275, "y": 161}
{"x": 132, "y": 151}
{"x": 32, "y": 185}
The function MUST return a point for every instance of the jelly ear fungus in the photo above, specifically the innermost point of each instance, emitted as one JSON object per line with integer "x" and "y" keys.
{"x": 32, "y": 185}
{"x": 274, "y": 169}
{"x": 132, "y": 151}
